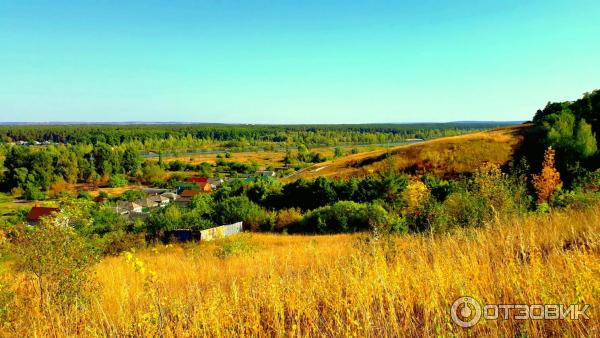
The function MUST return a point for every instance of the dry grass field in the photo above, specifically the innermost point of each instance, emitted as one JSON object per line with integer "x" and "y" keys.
{"x": 262, "y": 158}
{"x": 262, "y": 285}
{"x": 443, "y": 156}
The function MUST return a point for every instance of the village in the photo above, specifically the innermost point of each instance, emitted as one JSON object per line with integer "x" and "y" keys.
{"x": 153, "y": 198}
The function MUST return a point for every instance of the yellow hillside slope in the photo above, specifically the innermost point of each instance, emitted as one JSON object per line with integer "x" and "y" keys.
{"x": 444, "y": 156}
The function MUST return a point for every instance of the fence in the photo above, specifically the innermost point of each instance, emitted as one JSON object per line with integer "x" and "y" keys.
{"x": 221, "y": 231}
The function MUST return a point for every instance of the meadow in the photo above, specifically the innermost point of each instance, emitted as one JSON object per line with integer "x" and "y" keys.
{"x": 259, "y": 285}
{"x": 447, "y": 156}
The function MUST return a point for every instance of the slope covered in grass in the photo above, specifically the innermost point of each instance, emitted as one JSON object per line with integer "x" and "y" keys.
{"x": 276, "y": 285}
{"x": 445, "y": 156}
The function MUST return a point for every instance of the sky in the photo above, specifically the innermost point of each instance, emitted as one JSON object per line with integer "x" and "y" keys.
{"x": 293, "y": 61}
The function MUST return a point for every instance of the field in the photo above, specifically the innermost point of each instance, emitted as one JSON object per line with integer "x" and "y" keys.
{"x": 261, "y": 158}
{"x": 8, "y": 205}
{"x": 258, "y": 285}
{"x": 445, "y": 156}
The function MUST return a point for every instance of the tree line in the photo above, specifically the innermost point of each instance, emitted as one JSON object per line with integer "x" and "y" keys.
{"x": 572, "y": 128}
{"x": 195, "y": 136}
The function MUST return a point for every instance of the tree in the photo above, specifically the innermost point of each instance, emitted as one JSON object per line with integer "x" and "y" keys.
{"x": 164, "y": 219}
{"x": 105, "y": 160}
{"x": 548, "y": 181}
{"x": 337, "y": 152}
{"x": 235, "y": 209}
{"x": 585, "y": 140}
{"x": 59, "y": 261}
{"x": 117, "y": 181}
{"x": 416, "y": 192}
{"x": 152, "y": 172}
{"x": 131, "y": 160}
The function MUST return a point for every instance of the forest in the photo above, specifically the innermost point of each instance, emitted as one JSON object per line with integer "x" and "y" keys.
{"x": 186, "y": 137}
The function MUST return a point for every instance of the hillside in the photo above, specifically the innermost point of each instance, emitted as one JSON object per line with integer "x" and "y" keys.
{"x": 445, "y": 156}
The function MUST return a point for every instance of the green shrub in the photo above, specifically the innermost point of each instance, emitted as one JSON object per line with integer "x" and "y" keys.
{"x": 84, "y": 195}
{"x": 343, "y": 216}
{"x": 235, "y": 209}
{"x": 235, "y": 245}
{"x": 116, "y": 181}
{"x": 576, "y": 198}
{"x": 58, "y": 260}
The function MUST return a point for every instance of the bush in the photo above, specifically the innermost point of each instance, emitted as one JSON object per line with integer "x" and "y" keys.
{"x": 576, "y": 198}
{"x": 84, "y": 195}
{"x": 58, "y": 260}
{"x": 235, "y": 209}
{"x": 132, "y": 195}
{"x": 287, "y": 218}
{"x": 234, "y": 245}
{"x": 116, "y": 181}
{"x": 344, "y": 216}
{"x": 33, "y": 193}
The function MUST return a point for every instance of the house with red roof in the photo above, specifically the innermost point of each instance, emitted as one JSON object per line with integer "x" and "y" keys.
{"x": 202, "y": 182}
{"x": 189, "y": 193}
{"x": 36, "y": 213}
{"x": 197, "y": 179}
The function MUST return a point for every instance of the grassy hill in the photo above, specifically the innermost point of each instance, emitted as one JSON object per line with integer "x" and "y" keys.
{"x": 447, "y": 156}
{"x": 265, "y": 285}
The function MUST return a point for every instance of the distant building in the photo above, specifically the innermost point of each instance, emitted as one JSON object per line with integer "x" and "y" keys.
{"x": 153, "y": 191}
{"x": 189, "y": 193}
{"x": 201, "y": 182}
{"x": 36, "y": 213}
{"x": 196, "y": 179}
{"x": 215, "y": 182}
{"x": 205, "y": 187}
{"x": 161, "y": 200}
{"x": 126, "y": 207}
{"x": 170, "y": 195}
{"x": 147, "y": 203}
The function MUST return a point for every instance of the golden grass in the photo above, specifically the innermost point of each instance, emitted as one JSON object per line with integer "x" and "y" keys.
{"x": 443, "y": 156}
{"x": 262, "y": 158}
{"x": 342, "y": 285}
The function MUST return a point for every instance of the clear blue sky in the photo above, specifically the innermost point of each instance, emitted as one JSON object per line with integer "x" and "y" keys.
{"x": 280, "y": 61}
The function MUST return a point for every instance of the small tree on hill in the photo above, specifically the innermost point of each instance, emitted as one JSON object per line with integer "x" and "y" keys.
{"x": 548, "y": 181}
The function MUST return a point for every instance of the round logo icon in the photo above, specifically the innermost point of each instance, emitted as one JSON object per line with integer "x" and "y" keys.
{"x": 466, "y": 312}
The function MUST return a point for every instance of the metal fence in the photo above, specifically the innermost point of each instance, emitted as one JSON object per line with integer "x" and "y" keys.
{"x": 221, "y": 231}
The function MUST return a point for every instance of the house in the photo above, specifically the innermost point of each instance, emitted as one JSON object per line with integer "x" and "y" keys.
{"x": 205, "y": 187}
{"x": 185, "y": 197}
{"x": 153, "y": 191}
{"x": 201, "y": 182}
{"x": 161, "y": 200}
{"x": 147, "y": 203}
{"x": 196, "y": 180}
{"x": 126, "y": 207}
{"x": 36, "y": 213}
{"x": 215, "y": 182}
{"x": 170, "y": 195}
{"x": 189, "y": 193}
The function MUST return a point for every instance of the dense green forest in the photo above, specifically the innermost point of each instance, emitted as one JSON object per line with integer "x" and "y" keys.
{"x": 572, "y": 128}
{"x": 183, "y": 137}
